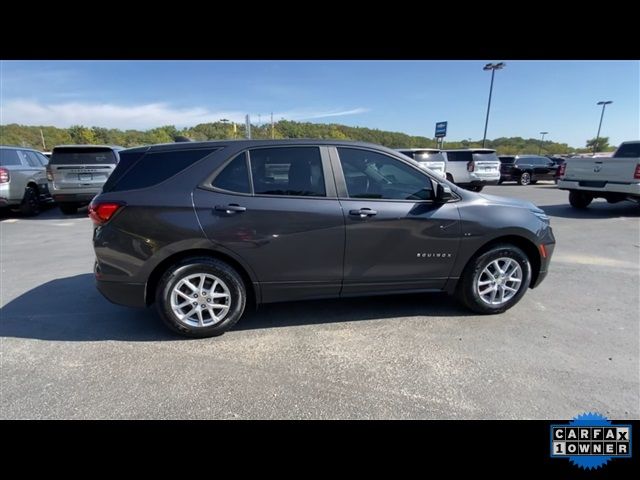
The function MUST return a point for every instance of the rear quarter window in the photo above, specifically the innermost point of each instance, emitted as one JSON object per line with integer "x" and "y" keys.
{"x": 8, "y": 157}
{"x": 147, "y": 169}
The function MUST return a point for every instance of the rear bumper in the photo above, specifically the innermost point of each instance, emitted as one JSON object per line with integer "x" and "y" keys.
{"x": 120, "y": 293}
{"x": 74, "y": 197}
{"x": 479, "y": 183}
{"x": 609, "y": 187}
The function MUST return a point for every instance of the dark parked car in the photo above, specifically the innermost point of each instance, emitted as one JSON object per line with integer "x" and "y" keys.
{"x": 526, "y": 169}
{"x": 203, "y": 228}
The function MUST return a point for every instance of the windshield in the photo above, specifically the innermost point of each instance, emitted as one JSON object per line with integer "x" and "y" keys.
{"x": 82, "y": 156}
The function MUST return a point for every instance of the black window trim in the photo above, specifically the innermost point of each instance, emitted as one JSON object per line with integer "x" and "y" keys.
{"x": 341, "y": 183}
{"x": 327, "y": 172}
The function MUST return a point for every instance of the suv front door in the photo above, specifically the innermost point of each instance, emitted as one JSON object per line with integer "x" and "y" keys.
{"x": 273, "y": 208}
{"x": 397, "y": 237}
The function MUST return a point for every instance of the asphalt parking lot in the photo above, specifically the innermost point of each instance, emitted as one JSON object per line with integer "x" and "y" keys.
{"x": 572, "y": 345}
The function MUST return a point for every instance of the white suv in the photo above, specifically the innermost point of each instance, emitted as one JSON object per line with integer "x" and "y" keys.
{"x": 430, "y": 158}
{"x": 473, "y": 168}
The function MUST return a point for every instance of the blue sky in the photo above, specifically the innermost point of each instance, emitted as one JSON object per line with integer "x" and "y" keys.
{"x": 407, "y": 96}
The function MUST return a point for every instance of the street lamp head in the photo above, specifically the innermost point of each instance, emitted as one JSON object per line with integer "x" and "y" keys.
{"x": 543, "y": 133}
{"x": 494, "y": 66}
{"x": 605, "y": 102}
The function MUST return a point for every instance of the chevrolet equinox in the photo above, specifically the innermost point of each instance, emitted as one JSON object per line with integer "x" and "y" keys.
{"x": 202, "y": 228}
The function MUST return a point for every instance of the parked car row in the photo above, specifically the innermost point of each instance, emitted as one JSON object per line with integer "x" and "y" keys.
{"x": 70, "y": 175}
{"x": 468, "y": 168}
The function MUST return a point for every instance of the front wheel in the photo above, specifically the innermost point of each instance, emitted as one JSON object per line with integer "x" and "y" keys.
{"x": 579, "y": 199}
{"x": 496, "y": 280}
{"x": 200, "y": 297}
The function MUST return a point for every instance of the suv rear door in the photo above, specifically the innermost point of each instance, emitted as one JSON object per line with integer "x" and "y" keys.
{"x": 82, "y": 167}
{"x": 276, "y": 209}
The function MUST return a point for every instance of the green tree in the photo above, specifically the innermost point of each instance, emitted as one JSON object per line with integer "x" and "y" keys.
{"x": 599, "y": 145}
{"x": 82, "y": 135}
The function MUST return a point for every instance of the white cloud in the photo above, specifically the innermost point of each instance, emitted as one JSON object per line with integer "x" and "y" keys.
{"x": 144, "y": 116}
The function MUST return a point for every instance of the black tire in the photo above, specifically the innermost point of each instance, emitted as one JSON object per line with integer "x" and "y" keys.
{"x": 533, "y": 182}
{"x": 476, "y": 188}
{"x": 579, "y": 199}
{"x": 196, "y": 265}
{"x": 466, "y": 291}
{"x": 30, "y": 205}
{"x": 450, "y": 177}
{"x": 525, "y": 178}
{"x": 500, "y": 181}
{"x": 68, "y": 208}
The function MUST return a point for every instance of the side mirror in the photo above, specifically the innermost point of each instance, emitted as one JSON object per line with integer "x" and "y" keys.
{"x": 443, "y": 193}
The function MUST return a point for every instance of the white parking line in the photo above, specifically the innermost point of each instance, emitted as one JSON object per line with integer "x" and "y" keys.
{"x": 593, "y": 260}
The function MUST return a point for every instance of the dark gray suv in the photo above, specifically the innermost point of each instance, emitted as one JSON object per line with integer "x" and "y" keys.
{"x": 202, "y": 228}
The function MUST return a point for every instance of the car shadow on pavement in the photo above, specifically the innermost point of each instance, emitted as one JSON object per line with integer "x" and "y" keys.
{"x": 396, "y": 307}
{"x": 597, "y": 209}
{"x": 71, "y": 309}
{"x": 47, "y": 212}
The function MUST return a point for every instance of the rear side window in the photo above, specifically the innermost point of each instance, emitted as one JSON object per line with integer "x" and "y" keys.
{"x": 9, "y": 157}
{"x": 287, "y": 171}
{"x": 152, "y": 168}
{"x": 82, "y": 156}
{"x": 127, "y": 160}
{"x": 628, "y": 150}
{"x": 235, "y": 176}
{"x": 459, "y": 156}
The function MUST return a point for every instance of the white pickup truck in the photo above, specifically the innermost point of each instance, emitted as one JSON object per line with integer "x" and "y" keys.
{"x": 615, "y": 178}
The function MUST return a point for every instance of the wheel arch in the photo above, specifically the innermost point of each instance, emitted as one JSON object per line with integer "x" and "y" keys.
{"x": 253, "y": 292}
{"x": 527, "y": 246}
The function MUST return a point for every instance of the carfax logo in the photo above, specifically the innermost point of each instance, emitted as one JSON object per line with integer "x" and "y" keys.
{"x": 590, "y": 441}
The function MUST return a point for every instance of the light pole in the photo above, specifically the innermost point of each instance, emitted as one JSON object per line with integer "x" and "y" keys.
{"x": 604, "y": 103}
{"x": 493, "y": 67}
{"x": 541, "y": 140}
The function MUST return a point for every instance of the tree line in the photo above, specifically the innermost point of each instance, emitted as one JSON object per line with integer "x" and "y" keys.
{"x": 33, "y": 136}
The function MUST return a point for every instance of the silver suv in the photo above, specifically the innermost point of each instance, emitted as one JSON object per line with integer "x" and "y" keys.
{"x": 23, "y": 182}
{"x": 76, "y": 173}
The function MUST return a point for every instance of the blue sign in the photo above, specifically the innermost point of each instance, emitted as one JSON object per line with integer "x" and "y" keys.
{"x": 441, "y": 129}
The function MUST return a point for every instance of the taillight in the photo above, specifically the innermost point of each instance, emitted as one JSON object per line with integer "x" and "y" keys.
{"x": 563, "y": 167}
{"x": 4, "y": 175}
{"x": 101, "y": 213}
{"x": 636, "y": 174}
{"x": 49, "y": 175}
{"x": 470, "y": 166}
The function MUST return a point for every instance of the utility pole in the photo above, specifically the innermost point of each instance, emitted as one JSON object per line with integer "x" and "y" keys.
{"x": 493, "y": 67}
{"x": 44, "y": 146}
{"x": 604, "y": 104}
{"x": 248, "y": 126}
{"x": 541, "y": 141}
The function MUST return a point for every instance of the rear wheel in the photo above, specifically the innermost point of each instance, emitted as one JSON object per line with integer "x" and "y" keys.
{"x": 579, "y": 199}
{"x": 525, "y": 178}
{"x": 30, "y": 202}
{"x": 496, "y": 280}
{"x": 200, "y": 297}
{"x": 68, "y": 208}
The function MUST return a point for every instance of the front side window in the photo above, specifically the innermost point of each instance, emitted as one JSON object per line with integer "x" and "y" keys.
{"x": 235, "y": 176}
{"x": 295, "y": 171}
{"x": 375, "y": 175}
